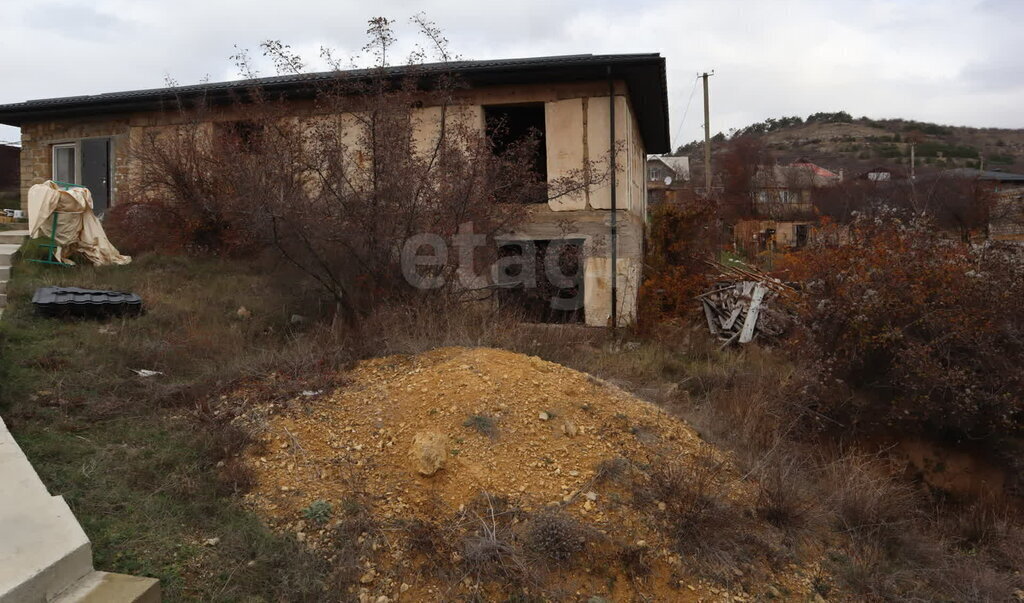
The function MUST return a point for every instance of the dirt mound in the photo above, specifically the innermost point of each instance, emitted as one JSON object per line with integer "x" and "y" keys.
{"x": 424, "y": 449}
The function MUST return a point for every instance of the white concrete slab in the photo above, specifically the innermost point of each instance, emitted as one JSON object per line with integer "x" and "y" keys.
{"x": 103, "y": 587}
{"x": 13, "y": 237}
{"x": 7, "y": 251}
{"x": 43, "y": 549}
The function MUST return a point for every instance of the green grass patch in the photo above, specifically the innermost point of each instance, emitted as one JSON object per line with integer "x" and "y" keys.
{"x": 150, "y": 474}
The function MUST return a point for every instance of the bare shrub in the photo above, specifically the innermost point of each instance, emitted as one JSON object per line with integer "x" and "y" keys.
{"x": 555, "y": 536}
{"x": 635, "y": 561}
{"x": 681, "y": 239}
{"x": 704, "y": 524}
{"x": 866, "y": 500}
{"x": 925, "y": 330}
{"x": 785, "y": 496}
{"x": 490, "y": 549}
{"x": 148, "y": 226}
{"x": 612, "y": 471}
{"x": 483, "y": 424}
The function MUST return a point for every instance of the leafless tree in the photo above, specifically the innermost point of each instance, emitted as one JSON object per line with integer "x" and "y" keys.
{"x": 340, "y": 187}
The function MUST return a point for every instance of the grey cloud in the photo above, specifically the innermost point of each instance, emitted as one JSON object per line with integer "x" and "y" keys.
{"x": 943, "y": 60}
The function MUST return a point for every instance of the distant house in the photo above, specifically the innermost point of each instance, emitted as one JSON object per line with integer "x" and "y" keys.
{"x": 666, "y": 180}
{"x": 883, "y": 174}
{"x": 784, "y": 191}
{"x": 783, "y": 208}
{"x": 1002, "y": 194}
{"x": 675, "y": 168}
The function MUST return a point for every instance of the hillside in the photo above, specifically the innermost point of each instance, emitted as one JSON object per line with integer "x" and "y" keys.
{"x": 839, "y": 142}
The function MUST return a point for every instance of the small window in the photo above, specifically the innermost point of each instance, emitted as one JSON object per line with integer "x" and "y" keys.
{"x": 65, "y": 163}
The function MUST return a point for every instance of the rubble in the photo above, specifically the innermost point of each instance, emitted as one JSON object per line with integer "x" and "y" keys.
{"x": 745, "y": 303}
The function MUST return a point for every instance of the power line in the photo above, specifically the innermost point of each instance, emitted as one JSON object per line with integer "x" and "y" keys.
{"x": 679, "y": 128}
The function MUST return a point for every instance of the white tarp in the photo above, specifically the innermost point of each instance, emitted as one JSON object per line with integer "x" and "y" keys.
{"x": 78, "y": 229}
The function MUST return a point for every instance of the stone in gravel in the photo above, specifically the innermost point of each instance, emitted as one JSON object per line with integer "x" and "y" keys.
{"x": 429, "y": 452}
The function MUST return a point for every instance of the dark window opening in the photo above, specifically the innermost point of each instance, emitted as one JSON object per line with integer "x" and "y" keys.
{"x": 542, "y": 280}
{"x": 509, "y": 127}
{"x": 247, "y": 136}
{"x": 802, "y": 234}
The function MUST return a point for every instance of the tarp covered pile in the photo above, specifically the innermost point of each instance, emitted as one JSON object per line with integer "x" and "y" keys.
{"x": 78, "y": 228}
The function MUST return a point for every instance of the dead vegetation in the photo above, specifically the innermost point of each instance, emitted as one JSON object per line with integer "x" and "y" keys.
{"x": 855, "y": 529}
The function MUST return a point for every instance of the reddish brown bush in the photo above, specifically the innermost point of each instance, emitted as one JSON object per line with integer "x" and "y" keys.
{"x": 929, "y": 332}
{"x": 149, "y": 226}
{"x": 681, "y": 239}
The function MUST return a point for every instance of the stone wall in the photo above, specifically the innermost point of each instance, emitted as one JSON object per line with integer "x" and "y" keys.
{"x": 38, "y": 138}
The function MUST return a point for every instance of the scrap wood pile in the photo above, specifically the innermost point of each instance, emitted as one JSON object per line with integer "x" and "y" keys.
{"x": 744, "y": 303}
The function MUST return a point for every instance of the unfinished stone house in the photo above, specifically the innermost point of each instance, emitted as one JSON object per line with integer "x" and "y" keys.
{"x": 580, "y": 104}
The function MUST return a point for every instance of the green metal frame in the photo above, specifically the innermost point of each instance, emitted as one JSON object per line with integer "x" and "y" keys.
{"x": 52, "y": 245}
{"x": 66, "y": 185}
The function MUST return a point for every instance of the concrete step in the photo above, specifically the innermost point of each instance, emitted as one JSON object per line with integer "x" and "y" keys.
{"x": 43, "y": 549}
{"x": 7, "y": 252}
{"x": 104, "y": 587}
{"x": 13, "y": 237}
{"x": 3, "y": 286}
{"x": 5, "y": 273}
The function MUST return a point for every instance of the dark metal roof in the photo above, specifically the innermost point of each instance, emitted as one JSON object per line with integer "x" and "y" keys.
{"x": 644, "y": 75}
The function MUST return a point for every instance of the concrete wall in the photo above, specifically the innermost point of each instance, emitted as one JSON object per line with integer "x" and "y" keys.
{"x": 594, "y": 228}
{"x": 38, "y": 138}
{"x": 746, "y": 233}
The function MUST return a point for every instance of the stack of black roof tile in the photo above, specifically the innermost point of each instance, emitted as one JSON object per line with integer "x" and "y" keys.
{"x": 73, "y": 301}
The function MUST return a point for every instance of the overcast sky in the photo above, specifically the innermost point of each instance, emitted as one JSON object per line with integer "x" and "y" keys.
{"x": 948, "y": 61}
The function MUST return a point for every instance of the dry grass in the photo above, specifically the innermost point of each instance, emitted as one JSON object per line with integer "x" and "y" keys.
{"x": 146, "y": 464}
{"x": 150, "y": 448}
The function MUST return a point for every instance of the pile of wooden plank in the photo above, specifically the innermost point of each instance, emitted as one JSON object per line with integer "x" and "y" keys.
{"x": 745, "y": 303}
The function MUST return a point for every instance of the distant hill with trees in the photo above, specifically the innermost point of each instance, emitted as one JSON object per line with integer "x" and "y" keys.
{"x": 838, "y": 141}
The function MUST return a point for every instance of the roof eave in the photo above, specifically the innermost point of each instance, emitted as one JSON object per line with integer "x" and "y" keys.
{"x": 647, "y": 90}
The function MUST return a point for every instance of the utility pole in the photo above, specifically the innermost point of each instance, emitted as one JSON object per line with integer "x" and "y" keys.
{"x": 707, "y": 136}
{"x": 912, "y": 162}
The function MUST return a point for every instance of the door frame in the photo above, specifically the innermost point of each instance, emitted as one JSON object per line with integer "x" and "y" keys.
{"x": 76, "y": 143}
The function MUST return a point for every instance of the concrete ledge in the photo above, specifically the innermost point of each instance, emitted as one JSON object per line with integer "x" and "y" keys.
{"x": 104, "y": 587}
{"x": 13, "y": 237}
{"x": 7, "y": 252}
